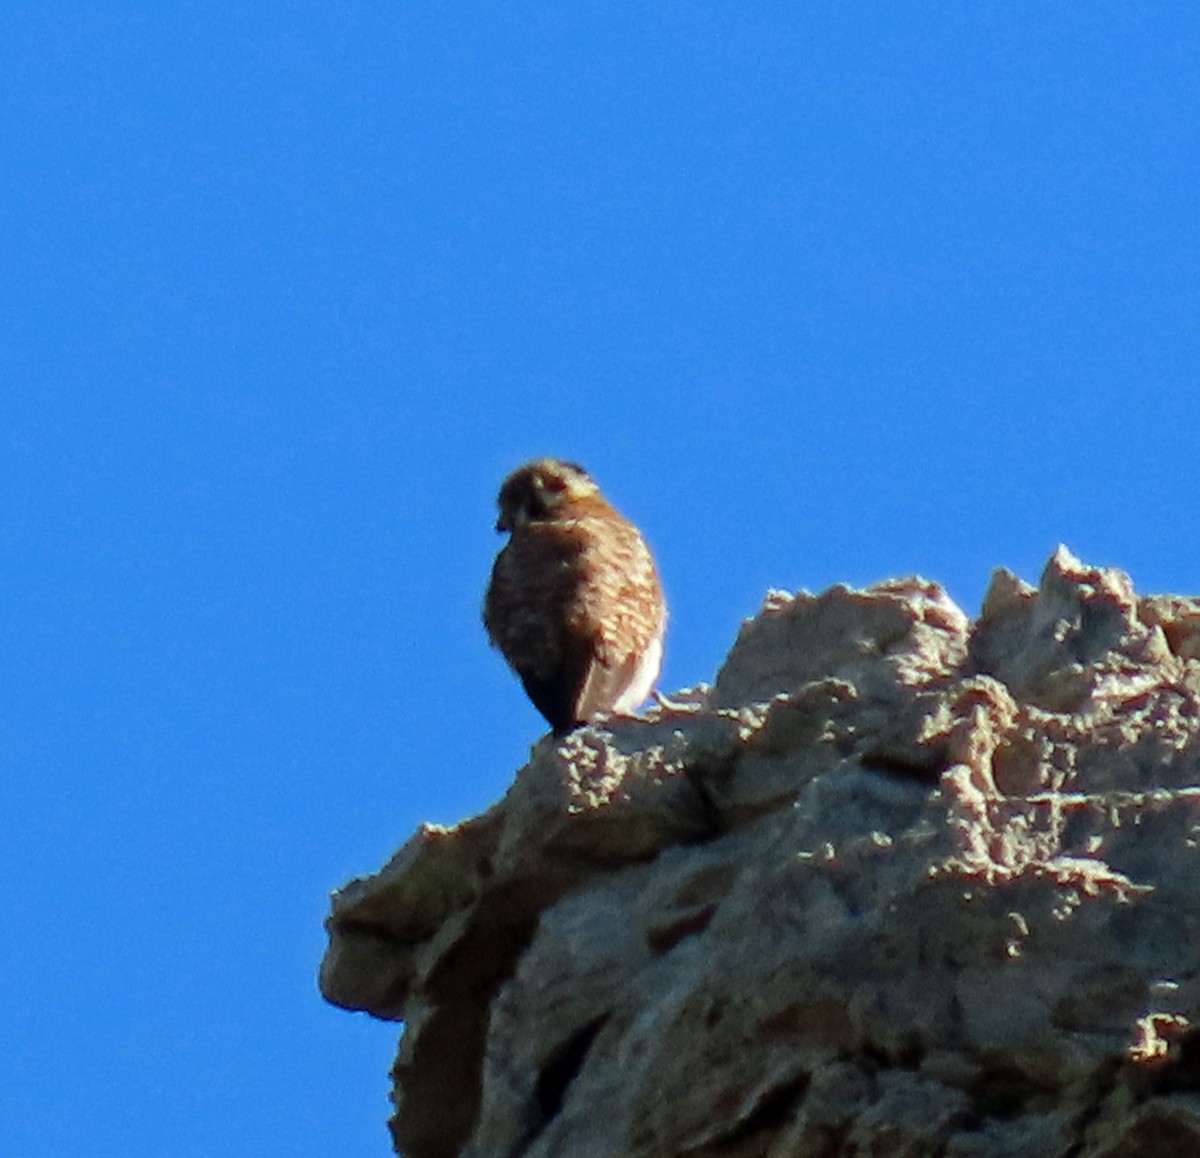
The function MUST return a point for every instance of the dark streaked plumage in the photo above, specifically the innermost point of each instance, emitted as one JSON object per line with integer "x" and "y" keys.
{"x": 574, "y": 604}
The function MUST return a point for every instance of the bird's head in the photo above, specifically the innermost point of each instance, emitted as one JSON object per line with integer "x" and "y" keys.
{"x": 540, "y": 491}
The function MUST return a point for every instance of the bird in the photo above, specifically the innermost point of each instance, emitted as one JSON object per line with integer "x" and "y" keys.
{"x": 574, "y": 604}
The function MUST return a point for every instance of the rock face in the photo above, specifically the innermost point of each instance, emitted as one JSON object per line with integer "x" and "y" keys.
{"x": 898, "y": 884}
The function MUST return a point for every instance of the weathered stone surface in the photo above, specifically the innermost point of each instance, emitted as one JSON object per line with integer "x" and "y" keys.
{"x": 898, "y": 884}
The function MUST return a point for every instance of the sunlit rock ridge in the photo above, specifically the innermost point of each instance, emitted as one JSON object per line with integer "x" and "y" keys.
{"x": 898, "y": 883}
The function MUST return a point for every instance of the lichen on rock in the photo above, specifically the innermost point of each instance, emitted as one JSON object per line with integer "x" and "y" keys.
{"x": 896, "y": 884}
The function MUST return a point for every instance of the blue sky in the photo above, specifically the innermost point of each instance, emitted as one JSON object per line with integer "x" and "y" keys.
{"x": 819, "y": 293}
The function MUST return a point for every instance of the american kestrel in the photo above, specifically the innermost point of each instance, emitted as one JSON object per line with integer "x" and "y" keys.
{"x": 575, "y": 604}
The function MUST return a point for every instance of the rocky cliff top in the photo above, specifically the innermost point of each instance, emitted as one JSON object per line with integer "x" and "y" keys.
{"x": 898, "y": 883}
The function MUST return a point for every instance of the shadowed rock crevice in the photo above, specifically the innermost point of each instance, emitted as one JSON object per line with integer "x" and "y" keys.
{"x": 444, "y": 1094}
{"x": 561, "y": 1069}
{"x": 897, "y": 883}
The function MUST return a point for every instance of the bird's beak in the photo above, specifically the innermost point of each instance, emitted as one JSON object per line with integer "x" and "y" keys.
{"x": 502, "y": 524}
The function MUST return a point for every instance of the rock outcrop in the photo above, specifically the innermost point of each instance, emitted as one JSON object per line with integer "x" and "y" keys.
{"x": 897, "y": 884}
